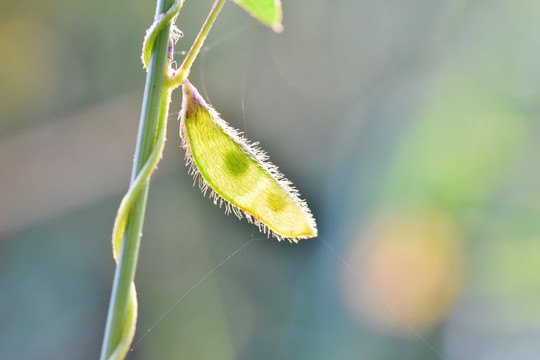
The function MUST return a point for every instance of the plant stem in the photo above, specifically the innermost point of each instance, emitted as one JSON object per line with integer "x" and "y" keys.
{"x": 152, "y": 109}
{"x": 122, "y": 314}
{"x": 185, "y": 68}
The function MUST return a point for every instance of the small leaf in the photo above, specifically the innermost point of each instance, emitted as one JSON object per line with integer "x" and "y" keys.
{"x": 267, "y": 12}
{"x": 239, "y": 174}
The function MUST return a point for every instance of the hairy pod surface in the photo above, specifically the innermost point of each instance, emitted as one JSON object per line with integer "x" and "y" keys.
{"x": 239, "y": 174}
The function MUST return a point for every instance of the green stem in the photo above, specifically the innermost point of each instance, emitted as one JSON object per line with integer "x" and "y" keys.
{"x": 122, "y": 314}
{"x": 185, "y": 68}
{"x": 155, "y": 106}
{"x": 155, "y": 29}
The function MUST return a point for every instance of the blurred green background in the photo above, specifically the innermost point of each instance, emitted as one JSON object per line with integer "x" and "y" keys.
{"x": 410, "y": 127}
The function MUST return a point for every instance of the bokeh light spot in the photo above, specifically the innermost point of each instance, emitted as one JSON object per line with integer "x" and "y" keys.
{"x": 409, "y": 271}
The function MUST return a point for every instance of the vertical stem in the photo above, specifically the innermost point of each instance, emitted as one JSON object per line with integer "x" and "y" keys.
{"x": 153, "y": 104}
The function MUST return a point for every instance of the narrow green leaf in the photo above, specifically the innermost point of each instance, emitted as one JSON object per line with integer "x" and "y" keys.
{"x": 239, "y": 174}
{"x": 267, "y": 12}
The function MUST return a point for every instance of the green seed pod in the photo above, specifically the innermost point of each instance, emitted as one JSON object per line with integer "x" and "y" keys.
{"x": 239, "y": 174}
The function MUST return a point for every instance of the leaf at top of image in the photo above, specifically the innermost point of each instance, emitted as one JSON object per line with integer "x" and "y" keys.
{"x": 239, "y": 174}
{"x": 267, "y": 12}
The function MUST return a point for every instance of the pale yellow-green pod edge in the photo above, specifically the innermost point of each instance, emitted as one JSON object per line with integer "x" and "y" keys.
{"x": 239, "y": 174}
